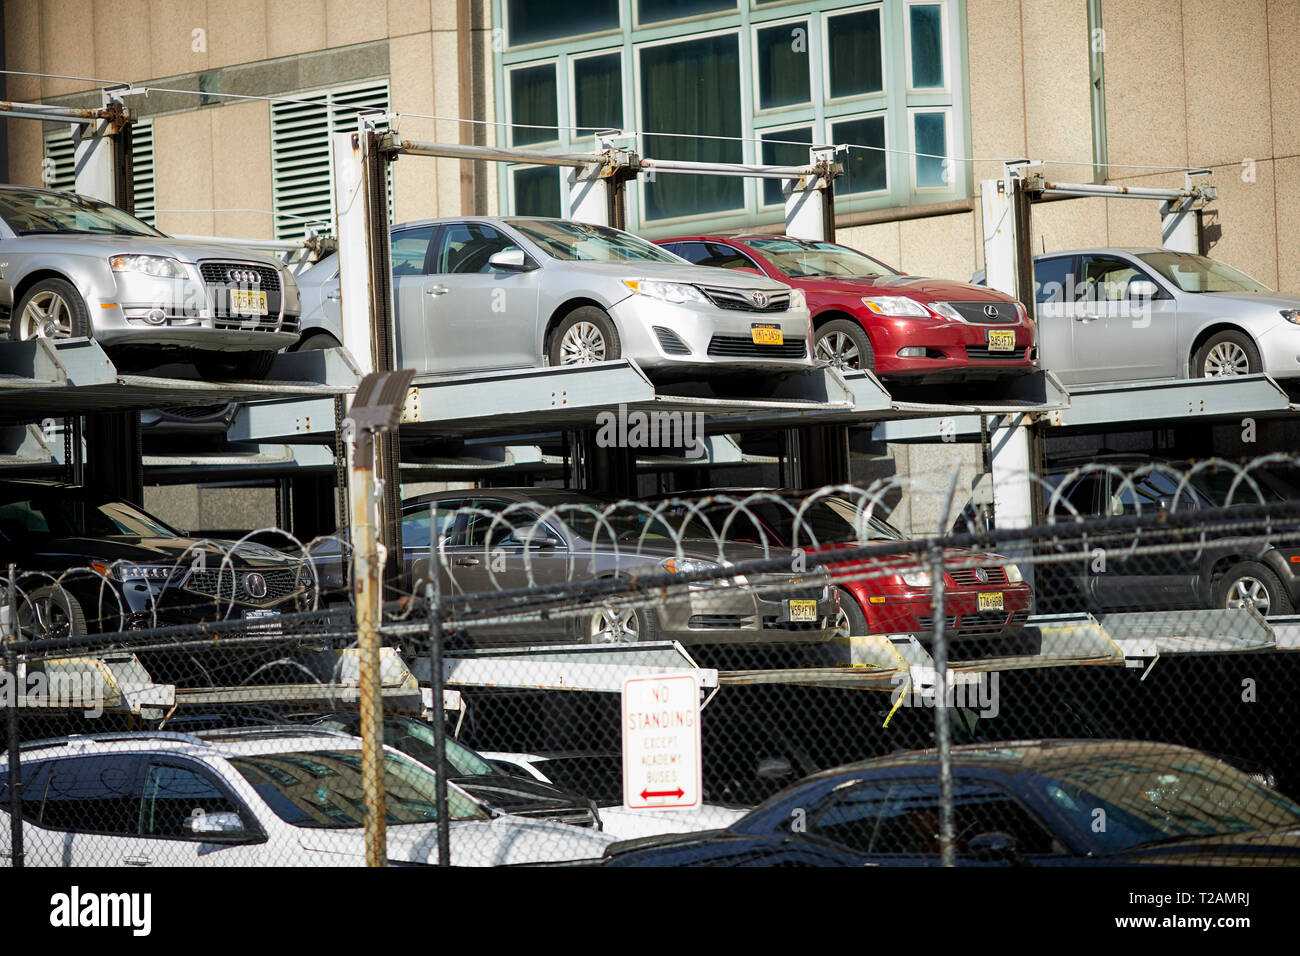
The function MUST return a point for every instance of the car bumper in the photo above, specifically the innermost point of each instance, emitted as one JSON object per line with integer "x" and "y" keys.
{"x": 741, "y": 615}
{"x": 661, "y": 336}
{"x": 953, "y": 350}
{"x": 912, "y": 613}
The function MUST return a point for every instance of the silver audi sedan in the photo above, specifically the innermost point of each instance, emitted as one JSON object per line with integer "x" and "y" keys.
{"x": 488, "y": 293}
{"x": 82, "y": 267}
{"x": 1119, "y": 315}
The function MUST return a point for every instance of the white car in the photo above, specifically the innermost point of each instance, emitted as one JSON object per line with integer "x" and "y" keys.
{"x": 274, "y": 796}
{"x": 599, "y": 776}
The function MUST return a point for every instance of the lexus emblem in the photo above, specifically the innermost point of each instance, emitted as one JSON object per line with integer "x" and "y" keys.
{"x": 255, "y": 585}
{"x": 243, "y": 277}
{"x": 982, "y": 575}
{"x": 759, "y": 299}
{"x": 991, "y": 311}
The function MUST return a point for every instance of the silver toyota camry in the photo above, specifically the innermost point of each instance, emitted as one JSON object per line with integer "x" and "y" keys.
{"x": 82, "y": 267}
{"x": 487, "y": 293}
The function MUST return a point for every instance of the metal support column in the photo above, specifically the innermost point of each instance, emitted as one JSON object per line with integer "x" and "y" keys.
{"x": 611, "y": 470}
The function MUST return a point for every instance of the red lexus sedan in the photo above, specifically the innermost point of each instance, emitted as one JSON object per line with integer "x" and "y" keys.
{"x": 868, "y": 316}
{"x": 985, "y": 595}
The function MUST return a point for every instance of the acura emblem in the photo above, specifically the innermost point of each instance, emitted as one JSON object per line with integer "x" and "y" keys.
{"x": 243, "y": 277}
{"x": 255, "y": 585}
{"x": 759, "y": 299}
{"x": 980, "y": 574}
{"x": 991, "y": 311}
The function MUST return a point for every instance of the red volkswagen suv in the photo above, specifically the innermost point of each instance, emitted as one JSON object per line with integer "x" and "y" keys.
{"x": 866, "y": 315}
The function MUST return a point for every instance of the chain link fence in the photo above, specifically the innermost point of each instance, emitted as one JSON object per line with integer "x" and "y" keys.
{"x": 728, "y": 678}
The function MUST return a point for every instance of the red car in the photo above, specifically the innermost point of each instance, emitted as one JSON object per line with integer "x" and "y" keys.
{"x": 984, "y": 594}
{"x": 866, "y": 315}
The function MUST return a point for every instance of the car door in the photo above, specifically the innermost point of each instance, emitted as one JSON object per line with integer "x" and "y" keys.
{"x": 1118, "y": 338}
{"x": 1147, "y": 579}
{"x": 1054, "y": 297}
{"x": 435, "y": 523}
{"x": 411, "y": 259}
{"x": 189, "y": 817}
{"x": 478, "y": 316}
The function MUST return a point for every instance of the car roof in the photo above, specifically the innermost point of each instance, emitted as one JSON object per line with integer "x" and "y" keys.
{"x": 226, "y": 742}
{"x": 539, "y": 495}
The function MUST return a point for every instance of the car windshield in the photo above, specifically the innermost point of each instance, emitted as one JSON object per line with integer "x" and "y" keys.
{"x": 321, "y": 789}
{"x": 764, "y": 521}
{"x": 577, "y": 241}
{"x": 799, "y": 258}
{"x": 1162, "y": 798}
{"x": 416, "y": 739}
{"x": 1275, "y": 483}
{"x": 1192, "y": 273}
{"x": 621, "y": 524}
{"x": 66, "y": 514}
{"x": 30, "y": 212}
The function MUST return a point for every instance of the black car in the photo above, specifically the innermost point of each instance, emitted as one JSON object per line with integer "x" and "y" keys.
{"x": 1259, "y": 574}
{"x": 1028, "y": 803}
{"x": 89, "y": 563}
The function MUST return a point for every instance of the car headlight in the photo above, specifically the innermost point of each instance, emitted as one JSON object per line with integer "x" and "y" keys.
{"x": 145, "y": 572}
{"x": 798, "y": 301}
{"x": 1013, "y": 574}
{"x": 667, "y": 291}
{"x": 1291, "y": 315}
{"x": 917, "y": 577}
{"x": 159, "y": 266}
{"x": 894, "y": 305}
{"x": 687, "y": 565}
{"x": 946, "y": 310}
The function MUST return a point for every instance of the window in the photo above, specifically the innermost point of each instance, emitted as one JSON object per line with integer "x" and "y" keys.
{"x": 35, "y": 778}
{"x": 714, "y": 254}
{"x": 535, "y": 21}
{"x": 1079, "y": 501}
{"x": 597, "y": 93}
{"x": 930, "y": 143}
{"x": 94, "y": 795}
{"x": 866, "y": 167}
{"x": 1152, "y": 492}
{"x": 415, "y": 524}
{"x": 466, "y": 247}
{"x": 302, "y": 168}
{"x": 1106, "y": 279}
{"x": 410, "y": 249}
{"x": 692, "y": 88}
{"x": 1053, "y": 280}
{"x": 925, "y": 45}
{"x": 536, "y": 190}
{"x": 783, "y": 147}
{"x": 534, "y": 105}
{"x": 854, "y": 53}
{"x": 174, "y": 795}
{"x": 654, "y": 11}
{"x": 782, "y": 58}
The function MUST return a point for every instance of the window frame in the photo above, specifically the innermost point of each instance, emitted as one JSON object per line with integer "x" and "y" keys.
{"x": 759, "y": 133}
{"x": 828, "y": 100}
{"x": 887, "y": 189}
{"x": 944, "y": 47}
{"x": 512, "y": 168}
{"x": 508, "y": 90}
{"x": 756, "y": 78}
{"x": 253, "y": 828}
{"x": 913, "y": 159}
{"x": 576, "y": 135}
{"x": 506, "y": 45}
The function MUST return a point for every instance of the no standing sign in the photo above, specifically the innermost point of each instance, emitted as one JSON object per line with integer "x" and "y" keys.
{"x": 661, "y": 742}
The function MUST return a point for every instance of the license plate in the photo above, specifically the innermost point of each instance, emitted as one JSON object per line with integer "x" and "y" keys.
{"x": 247, "y": 302}
{"x": 1001, "y": 340}
{"x": 262, "y": 622}
{"x": 803, "y": 610}
{"x": 990, "y": 601}
{"x": 767, "y": 335}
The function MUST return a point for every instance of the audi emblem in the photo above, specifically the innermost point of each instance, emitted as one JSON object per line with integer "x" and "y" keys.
{"x": 255, "y": 585}
{"x": 982, "y": 576}
{"x": 243, "y": 277}
{"x": 759, "y": 299}
{"x": 991, "y": 311}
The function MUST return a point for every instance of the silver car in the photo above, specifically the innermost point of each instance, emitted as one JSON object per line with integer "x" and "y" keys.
{"x": 83, "y": 267}
{"x": 1117, "y": 315}
{"x": 482, "y": 293}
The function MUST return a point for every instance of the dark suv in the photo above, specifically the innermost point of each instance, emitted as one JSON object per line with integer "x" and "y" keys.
{"x": 1260, "y": 574}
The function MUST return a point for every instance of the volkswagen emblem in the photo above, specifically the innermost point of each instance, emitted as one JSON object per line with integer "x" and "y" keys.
{"x": 759, "y": 299}
{"x": 255, "y": 585}
{"x": 243, "y": 277}
{"x": 981, "y": 574}
{"x": 991, "y": 311}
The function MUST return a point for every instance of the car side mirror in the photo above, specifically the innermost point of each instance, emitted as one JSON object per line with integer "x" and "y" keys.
{"x": 1143, "y": 289}
{"x": 223, "y": 825}
{"x": 774, "y": 768}
{"x": 536, "y": 537}
{"x": 510, "y": 260}
{"x": 993, "y": 846}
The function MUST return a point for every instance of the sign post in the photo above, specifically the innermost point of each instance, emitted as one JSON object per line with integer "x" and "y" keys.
{"x": 662, "y": 768}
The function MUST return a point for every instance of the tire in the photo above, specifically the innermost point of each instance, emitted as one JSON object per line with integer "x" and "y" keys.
{"x": 50, "y": 300}
{"x": 636, "y": 625}
{"x": 1250, "y": 584}
{"x": 1227, "y": 353}
{"x": 852, "y": 622}
{"x": 317, "y": 340}
{"x": 51, "y": 611}
{"x": 251, "y": 366}
{"x": 843, "y": 343}
{"x": 585, "y": 335}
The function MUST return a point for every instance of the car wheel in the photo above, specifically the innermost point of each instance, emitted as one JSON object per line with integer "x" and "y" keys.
{"x": 51, "y": 612}
{"x": 1251, "y": 584}
{"x": 1227, "y": 353}
{"x": 584, "y": 336}
{"x": 843, "y": 344}
{"x": 851, "y": 621}
{"x": 51, "y": 309}
{"x": 622, "y": 625}
{"x": 315, "y": 341}
{"x": 253, "y": 366}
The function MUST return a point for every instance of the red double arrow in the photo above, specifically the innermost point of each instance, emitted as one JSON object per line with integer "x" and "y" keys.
{"x": 678, "y": 793}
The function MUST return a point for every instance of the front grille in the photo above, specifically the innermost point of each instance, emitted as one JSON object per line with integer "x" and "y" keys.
{"x": 974, "y": 312}
{"x": 670, "y": 343}
{"x": 980, "y": 354}
{"x": 987, "y": 622}
{"x": 968, "y": 576}
{"x": 738, "y": 300}
{"x": 220, "y": 583}
{"x": 739, "y": 346}
{"x": 717, "y": 620}
{"x": 926, "y": 624}
{"x": 778, "y": 593}
{"x": 221, "y": 277}
{"x": 215, "y": 273}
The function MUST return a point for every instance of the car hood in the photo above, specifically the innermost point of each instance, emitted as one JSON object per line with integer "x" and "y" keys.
{"x": 186, "y": 250}
{"x": 1229, "y": 301}
{"x": 165, "y": 551}
{"x": 1271, "y": 847}
{"x": 672, "y": 272}
{"x": 500, "y": 841}
{"x": 518, "y": 795}
{"x": 919, "y": 287}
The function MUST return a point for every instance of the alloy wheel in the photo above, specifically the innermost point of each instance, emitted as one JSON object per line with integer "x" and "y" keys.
{"x": 839, "y": 350}
{"x": 842, "y": 626}
{"x": 1249, "y": 592}
{"x": 46, "y": 617}
{"x": 582, "y": 344}
{"x": 1226, "y": 358}
{"x": 614, "y": 626}
{"x": 47, "y": 315}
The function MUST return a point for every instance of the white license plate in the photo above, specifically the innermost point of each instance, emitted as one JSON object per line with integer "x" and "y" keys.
{"x": 263, "y": 622}
{"x": 1001, "y": 340}
{"x": 247, "y": 302}
{"x": 990, "y": 601}
{"x": 801, "y": 610}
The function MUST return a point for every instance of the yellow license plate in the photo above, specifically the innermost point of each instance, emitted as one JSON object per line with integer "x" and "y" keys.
{"x": 247, "y": 302}
{"x": 990, "y": 601}
{"x": 1001, "y": 340}
{"x": 803, "y": 610}
{"x": 767, "y": 335}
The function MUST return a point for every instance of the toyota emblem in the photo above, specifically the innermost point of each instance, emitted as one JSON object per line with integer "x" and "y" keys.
{"x": 243, "y": 277}
{"x": 759, "y": 299}
{"x": 991, "y": 311}
{"x": 982, "y": 575}
{"x": 255, "y": 585}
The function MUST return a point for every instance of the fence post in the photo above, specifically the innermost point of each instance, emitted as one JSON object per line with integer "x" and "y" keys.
{"x": 434, "y": 599}
{"x": 11, "y": 635}
{"x": 942, "y": 727}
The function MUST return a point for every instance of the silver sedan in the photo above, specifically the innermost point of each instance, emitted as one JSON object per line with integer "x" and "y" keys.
{"x": 1116, "y": 315}
{"x": 81, "y": 267}
{"x": 486, "y": 293}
